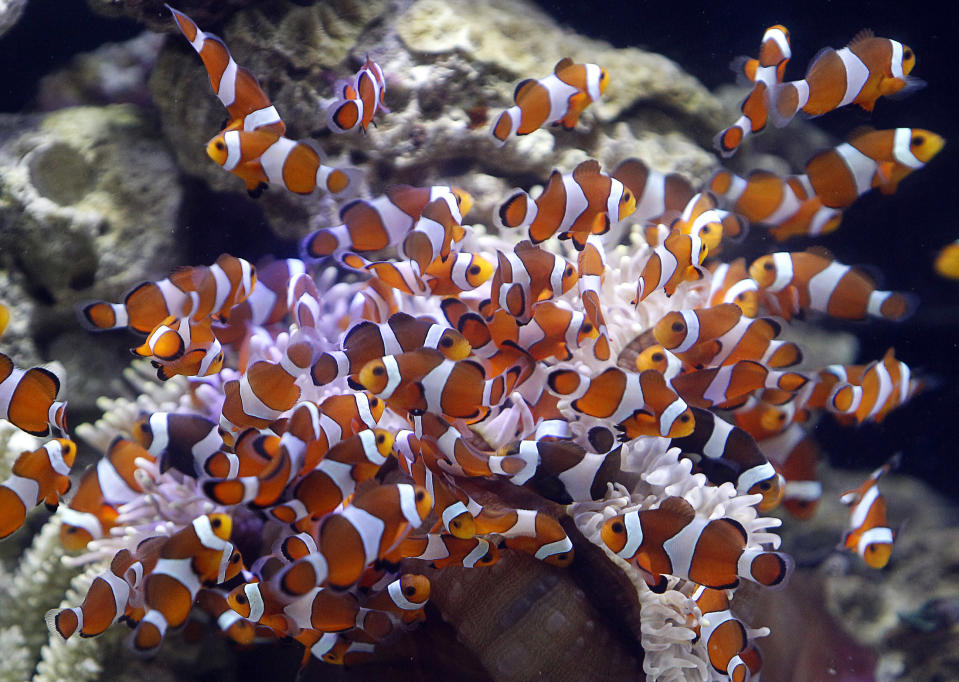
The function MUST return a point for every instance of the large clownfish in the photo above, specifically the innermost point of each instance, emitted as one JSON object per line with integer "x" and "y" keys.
{"x": 559, "y": 98}
{"x": 358, "y": 100}
{"x": 860, "y": 73}
{"x": 28, "y": 399}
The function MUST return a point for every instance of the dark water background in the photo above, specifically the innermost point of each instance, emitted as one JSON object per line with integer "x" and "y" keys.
{"x": 899, "y": 235}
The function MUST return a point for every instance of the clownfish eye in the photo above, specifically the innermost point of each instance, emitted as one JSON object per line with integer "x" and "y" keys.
{"x": 768, "y": 266}
{"x": 446, "y": 342}
{"x": 235, "y": 558}
{"x": 410, "y": 591}
{"x": 420, "y": 496}
{"x": 683, "y": 418}
{"x": 459, "y": 199}
{"x": 569, "y": 271}
{"x": 907, "y": 54}
{"x": 379, "y": 371}
{"x": 219, "y": 145}
{"x": 474, "y": 270}
{"x": 679, "y": 327}
{"x": 241, "y": 599}
{"x": 216, "y": 523}
{"x": 917, "y": 140}
{"x": 618, "y": 527}
{"x": 627, "y": 195}
{"x": 374, "y": 402}
{"x": 764, "y": 486}
{"x": 704, "y": 230}
{"x": 381, "y": 438}
{"x": 657, "y": 357}
{"x": 587, "y": 328}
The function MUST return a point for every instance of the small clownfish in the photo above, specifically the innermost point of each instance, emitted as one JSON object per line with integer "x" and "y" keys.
{"x": 374, "y": 224}
{"x": 321, "y": 609}
{"x": 769, "y": 413}
{"x": 458, "y": 272}
{"x": 946, "y": 265}
{"x": 724, "y": 452}
{"x": 565, "y": 471}
{"x": 231, "y": 623}
{"x": 437, "y": 228}
{"x": 795, "y": 454}
{"x": 678, "y": 259}
{"x": 266, "y": 304}
{"x": 703, "y": 218}
{"x": 658, "y": 358}
{"x": 367, "y": 341}
{"x": 748, "y": 339}
{"x": 526, "y": 530}
{"x": 260, "y": 158}
{"x": 184, "y": 442}
{"x": 558, "y": 98}
{"x": 659, "y": 197}
{"x": 348, "y": 541}
{"x": 105, "y": 602}
{"x": 724, "y": 634}
{"x": 670, "y": 540}
{"x": 640, "y": 404}
{"x": 28, "y": 399}
{"x": 885, "y": 385}
{"x": 349, "y": 462}
{"x": 358, "y": 101}
{"x": 264, "y": 471}
{"x": 528, "y": 275}
{"x": 404, "y": 598}
{"x": 591, "y": 268}
{"x": 785, "y": 204}
{"x": 869, "y": 534}
{"x": 746, "y": 666}
{"x": 41, "y": 475}
{"x": 446, "y": 550}
{"x": 878, "y": 158}
{"x": 681, "y": 330}
{"x": 860, "y": 73}
{"x": 820, "y": 283}
{"x": 92, "y": 511}
{"x": 572, "y": 206}
{"x": 376, "y": 301}
{"x": 237, "y": 88}
{"x": 183, "y": 347}
{"x": 721, "y": 386}
{"x": 731, "y": 283}
{"x": 197, "y": 555}
{"x": 764, "y": 72}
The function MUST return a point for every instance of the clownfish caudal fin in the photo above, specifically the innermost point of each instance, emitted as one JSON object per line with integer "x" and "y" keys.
{"x": 517, "y": 211}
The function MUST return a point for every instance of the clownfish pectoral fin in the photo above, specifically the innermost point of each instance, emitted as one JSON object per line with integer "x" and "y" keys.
{"x": 255, "y": 192}
{"x": 911, "y": 86}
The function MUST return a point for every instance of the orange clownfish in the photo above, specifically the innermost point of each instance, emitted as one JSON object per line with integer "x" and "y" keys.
{"x": 528, "y": 275}
{"x": 726, "y": 637}
{"x": 573, "y": 206}
{"x": 670, "y": 540}
{"x": 529, "y": 531}
{"x": 181, "y": 346}
{"x": 681, "y": 330}
{"x": 358, "y": 100}
{"x": 820, "y": 283}
{"x": 869, "y": 534}
{"x": 764, "y": 72}
{"x": 703, "y": 218}
{"x": 721, "y": 386}
{"x": 182, "y": 441}
{"x": 38, "y": 475}
{"x": 265, "y": 305}
{"x": 558, "y": 98}
{"x": 795, "y": 454}
{"x": 659, "y": 197}
{"x": 437, "y": 228}
{"x": 28, "y": 399}
{"x": 730, "y": 283}
{"x": 678, "y": 259}
{"x": 860, "y": 73}
{"x": 885, "y": 385}
{"x": 947, "y": 260}
{"x": 446, "y": 550}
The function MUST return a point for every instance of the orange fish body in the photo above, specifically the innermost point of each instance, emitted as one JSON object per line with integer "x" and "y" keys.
{"x": 28, "y": 399}
{"x": 358, "y": 100}
{"x": 526, "y": 276}
{"x": 41, "y": 475}
{"x": 869, "y": 533}
{"x": 676, "y": 260}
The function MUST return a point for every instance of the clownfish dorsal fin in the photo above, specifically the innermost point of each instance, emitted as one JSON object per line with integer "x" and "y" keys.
{"x": 864, "y": 34}
{"x": 563, "y": 63}
{"x": 522, "y": 88}
{"x": 585, "y": 169}
{"x": 680, "y": 507}
{"x": 821, "y": 251}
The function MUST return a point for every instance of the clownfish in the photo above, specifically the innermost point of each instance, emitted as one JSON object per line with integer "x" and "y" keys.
{"x": 565, "y": 471}
{"x": 184, "y": 442}
{"x": 447, "y": 550}
{"x": 231, "y": 623}
{"x": 260, "y": 158}
{"x": 724, "y": 452}
{"x": 681, "y": 330}
{"x": 358, "y": 100}
{"x": 764, "y": 72}
{"x": 28, "y": 399}
{"x": 572, "y": 206}
{"x": 348, "y": 541}
{"x": 878, "y": 158}
{"x": 266, "y": 304}
{"x": 795, "y": 454}
{"x": 528, "y": 275}
{"x": 367, "y": 341}
{"x": 785, "y": 204}
{"x": 374, "y": 224}
{"x": 640, "y": 404}
{"x": 720, "y": 386}
{"x": 404, "y": 598}
{"x": 183, "y": 347}
{"x": 820, "y": 283}
{"x": 236, "y": 87}
{"x": 591, "y": 269}
{"x": 659, "y": 197}
{"x": 885, "y": 385}
{"x": 731, "y": 283}
{"x": 437, "y": 228}
{"x": 747, "y": 339}
{"x": 860, "y": 73}
{"x": 558, "y": 98}
{"x": 703, "y": 218}
{"x": 529, "y": 531}
{"x": 92, "y": 511}
{"x": 726, "y": 637}
{"x": 4, "y": 317}
{"x": 670, "y": 540}
{"x": 41, "y": 475}
{"x": 946, "y": 265}
{"x": 105, "y": 602}
{"x": 658, "y": 358}
{"x": 676, "y": 260}
{"x": 869, "y": 534}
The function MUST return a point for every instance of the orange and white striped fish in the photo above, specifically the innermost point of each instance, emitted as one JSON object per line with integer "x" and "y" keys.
{"x": 435, "y": 231}
{"x": 528, "y": 275}
{"x": 640, "y": 404}
{"x": 105, "y": 602}
{"x": 724, "y": 386}
{"x": 878, "y": 158}
{"x": 671, "y": 540}
{"x": 404, "y": 598}
{"x": 764, "y": 72}
{"x": 184, "y": 442}
{"x": 237, "y": 88}
{"x": 183, "y": 347}
{"x": 678, "y": 259}
{"x": 885, "y": 385}
{"x": 784, "y": 204}
{"x": 795, "y": 454}
{"x": 860, "y": 73}
{"x": 234, "y": 626}
{"x": 726, "y": 637}
{"x": 660, "y": 197}
{"x": 748, "y": 339}
{"x": 573, "y": 206}
{"x": 111, "y": 482}
{"x": 28, "y": 399}
{"x": 869, "y": 534}
{"x": 41, "y": 475}
{"x": 703, "y": 218}
{"x": 526, "y": 530}
{"x": 446, "y": 550}
{"x": 731, "y": 283}
{"x": 558, "y": 98}
{"x": 374, "y": 224}
{"x": 682, "y": 330}
{"x": 266, "y": 304}
{"x": 358, "y": 100}
{"x": 367, "y": 341}
{"x": 820, "y": 283}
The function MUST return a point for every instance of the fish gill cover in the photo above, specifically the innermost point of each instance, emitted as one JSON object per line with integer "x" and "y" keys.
{"x": 515, "y": 426}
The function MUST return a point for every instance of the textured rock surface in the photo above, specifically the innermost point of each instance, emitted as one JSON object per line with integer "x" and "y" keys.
{"x": 88, "y": 201}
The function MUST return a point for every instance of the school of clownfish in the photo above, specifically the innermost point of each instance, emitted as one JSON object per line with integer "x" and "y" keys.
{"x": 485, "y": 383}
